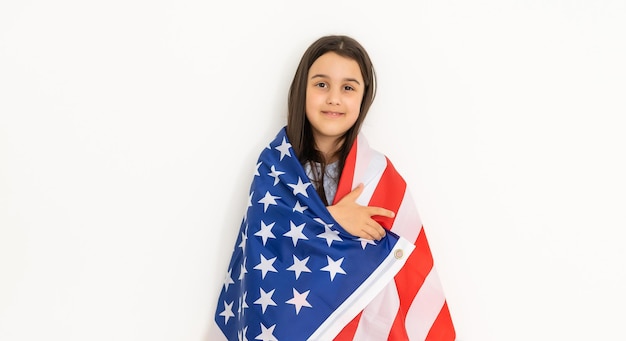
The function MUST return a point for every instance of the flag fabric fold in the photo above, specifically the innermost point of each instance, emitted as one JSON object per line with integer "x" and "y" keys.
{"x": 296, "y": 274}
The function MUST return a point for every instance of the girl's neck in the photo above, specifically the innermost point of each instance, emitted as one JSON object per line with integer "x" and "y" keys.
{"x": 328, "y": 148}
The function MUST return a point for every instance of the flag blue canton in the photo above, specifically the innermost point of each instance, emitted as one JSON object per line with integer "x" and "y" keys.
{"x": 292, "y": 265}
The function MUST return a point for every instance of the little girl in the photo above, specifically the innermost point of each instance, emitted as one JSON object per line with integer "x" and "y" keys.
{"x": 331, "y": 245}
{"x": 330, "y": 96}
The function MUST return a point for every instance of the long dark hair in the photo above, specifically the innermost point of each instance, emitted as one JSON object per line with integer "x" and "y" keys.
{"x": 299, "y": 128}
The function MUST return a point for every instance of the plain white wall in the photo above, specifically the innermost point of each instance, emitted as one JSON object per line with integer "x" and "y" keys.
{"x": 129, "y": 132}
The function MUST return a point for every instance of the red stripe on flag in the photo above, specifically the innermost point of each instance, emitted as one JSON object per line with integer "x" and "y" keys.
{"x": 442, "y": 329}
{"x": 408, "y": 281}
{"x": 347, "y": 175}
{"x": 388, "y": 194}
{"x": 347, "y": 333}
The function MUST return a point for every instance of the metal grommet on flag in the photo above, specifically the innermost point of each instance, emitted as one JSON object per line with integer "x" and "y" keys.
{"x": 398, "y": 254}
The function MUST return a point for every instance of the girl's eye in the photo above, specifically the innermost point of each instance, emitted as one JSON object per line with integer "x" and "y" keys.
{"x": 321, "y": 85}
{"x": 348, "y": 88}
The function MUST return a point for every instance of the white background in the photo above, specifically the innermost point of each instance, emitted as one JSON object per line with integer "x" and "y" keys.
{"x": 129, "y": 132}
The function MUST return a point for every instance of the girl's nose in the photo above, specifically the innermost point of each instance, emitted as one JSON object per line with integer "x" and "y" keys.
{"x": 333, "y": 97}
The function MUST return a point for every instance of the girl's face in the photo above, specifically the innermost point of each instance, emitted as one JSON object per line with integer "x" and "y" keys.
{"x": 334, "y": 93}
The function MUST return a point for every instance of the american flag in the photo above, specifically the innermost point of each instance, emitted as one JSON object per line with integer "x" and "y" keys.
{"x": 295, "y": 274}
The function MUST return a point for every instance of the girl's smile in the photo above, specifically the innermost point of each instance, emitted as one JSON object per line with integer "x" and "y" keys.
{"x": 333, "y": 99}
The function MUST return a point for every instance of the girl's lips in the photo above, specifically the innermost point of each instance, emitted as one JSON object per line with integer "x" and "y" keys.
{"x": 331, "y": 113}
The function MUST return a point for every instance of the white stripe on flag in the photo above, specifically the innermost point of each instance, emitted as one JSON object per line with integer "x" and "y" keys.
{"x": 425, "y": 307}
{"x": 408, "y": 222}
{"x": 363, "y": 155}
{"x": 377, "y": 319}
{"x": 375, "y": 166}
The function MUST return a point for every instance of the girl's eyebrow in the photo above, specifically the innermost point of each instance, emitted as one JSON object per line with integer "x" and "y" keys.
{"x": 345, "y": 79}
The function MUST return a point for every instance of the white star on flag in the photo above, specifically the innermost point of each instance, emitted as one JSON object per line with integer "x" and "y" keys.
{"x": 299, "y": 300}
{"x": 364, "y": 242}
{"x": 244, "y": 238}
{"x": 299, "y": 266}
{"x": 295, "y": 233}
{"x": 334, "y": 267}
{"x": 267, "y": 334}
{"x": 245, "y": 215}
{"x": 284, "y": 149}
{"x": 266, "y": 265}
{"x": 300, "y": 187}
{"x": 329, "y": 235}
{"x": 265, "y": 232}
{"x": 267, "y": 200}
{"x": 265, "y": 299}
{"x": 256, "y": 171}
{"x": 241, "y": 334}
{"x": 242, "y": 304}
{"x": 319, "y": 220}
{"x": 275, "y": 173}
{"x": 228, "y": 280}
{"x": 243, "y": 269}
{"x": 299, "y": 208}
{"x": 228, "y": 311}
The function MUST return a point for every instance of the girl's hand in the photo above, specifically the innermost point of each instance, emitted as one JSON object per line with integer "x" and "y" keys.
{"x": 357, "y": 219}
